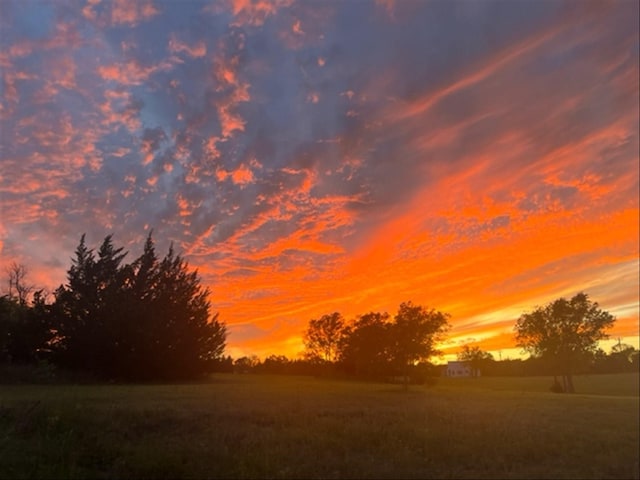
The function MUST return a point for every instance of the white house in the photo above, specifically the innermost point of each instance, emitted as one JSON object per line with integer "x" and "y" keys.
{"x": 458, "y": 369}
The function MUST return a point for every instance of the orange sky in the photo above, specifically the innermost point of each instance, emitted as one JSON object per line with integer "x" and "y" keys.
{"x": 480, "y": 158}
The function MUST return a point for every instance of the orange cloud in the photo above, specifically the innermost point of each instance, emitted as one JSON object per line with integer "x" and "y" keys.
{"x": 229, "y": 122}
{"x": 255, "y": 12}
{"x": 235, "y": 92}
{"x": 131, "y": 72}
{"x": 242, "y": 175}
{"x": 483, "y": 185}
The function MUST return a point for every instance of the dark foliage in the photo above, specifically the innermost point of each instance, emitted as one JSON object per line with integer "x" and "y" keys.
{"x": 323, "y": 337}
{"x": 366, "y": 349}
{"x": 563, "y": 332}
{"x": 148, "y": 320}
{"x": 476, "y": 358}
{"x": 25, "y": 330}
{"x": 374, "y": 346}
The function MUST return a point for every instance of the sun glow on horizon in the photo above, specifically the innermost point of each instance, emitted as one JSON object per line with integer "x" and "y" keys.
{"x": 305, "y": 163}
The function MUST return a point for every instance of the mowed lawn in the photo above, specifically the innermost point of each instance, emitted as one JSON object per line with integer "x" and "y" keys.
{"x": 255, "y": 426}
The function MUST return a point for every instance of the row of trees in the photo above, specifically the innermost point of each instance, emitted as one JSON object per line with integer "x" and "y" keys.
{"x": 621, "y": 358}
{"x": 375, "y": 344}
{"x": 148, "y": 319}
{"x": 559, "y": 337}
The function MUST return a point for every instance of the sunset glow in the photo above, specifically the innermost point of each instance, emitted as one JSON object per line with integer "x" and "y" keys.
{"x": 477, "y": 157}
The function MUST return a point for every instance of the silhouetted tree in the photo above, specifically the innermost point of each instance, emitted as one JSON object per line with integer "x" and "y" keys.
{"x": 25, "y": 331}
{"x": 366, "y": 349}
{"x": 191, "y": 340}
{"x": 475, "y": 358}
{"x": 88, "y": 308}
{"x": 323, "y": 337}
{"x": 246, "y": 364}
{"x": 145, "y": 320}
{"x": 621, "y": 358}
{"x": 224, "y": 364}
{"x": 18, "y": 287}
{"x": 275, "y": 364}
{"x": 562, "y": 331}
{"x": 414, "y": 333}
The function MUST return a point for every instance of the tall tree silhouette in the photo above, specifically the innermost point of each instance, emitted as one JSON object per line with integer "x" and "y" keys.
{"x": 190, "y": 341}
{"x": 562, "y": 331}
{"x": 145, "y": 320}
{"x": 74, "y": 306}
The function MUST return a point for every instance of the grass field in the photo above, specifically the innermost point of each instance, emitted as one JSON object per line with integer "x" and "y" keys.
{"x": 246, "y": 426}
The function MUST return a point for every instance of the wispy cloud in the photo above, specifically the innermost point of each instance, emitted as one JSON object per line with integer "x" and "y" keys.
{"x": 313, "y": 157}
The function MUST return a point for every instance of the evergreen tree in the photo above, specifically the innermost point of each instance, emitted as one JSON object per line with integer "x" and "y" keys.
{"x": 145, "y": 320}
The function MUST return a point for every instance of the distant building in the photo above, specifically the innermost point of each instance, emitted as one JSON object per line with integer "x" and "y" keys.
{"x": 458, "y": 369}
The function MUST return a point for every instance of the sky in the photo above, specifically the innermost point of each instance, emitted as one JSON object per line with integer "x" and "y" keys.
{"x": 479, "y": 158}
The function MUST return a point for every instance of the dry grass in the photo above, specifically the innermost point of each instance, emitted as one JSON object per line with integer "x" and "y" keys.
{"x": 287, "y": 427}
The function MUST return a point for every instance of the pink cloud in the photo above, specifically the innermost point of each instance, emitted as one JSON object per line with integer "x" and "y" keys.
{"x": 297, "y": 28}
{"x": 119, "y": 12}
{"x": 117, "y": 108}
{"x": 196, "y": 51}
{"x": 132, "y": 13}
{"x": 87, "y": 10}
{"x": 21, "y": 49}
{"x": 62, "y": 72}
{"x": 131, "y": 72}
{"x": 255, "y": 12}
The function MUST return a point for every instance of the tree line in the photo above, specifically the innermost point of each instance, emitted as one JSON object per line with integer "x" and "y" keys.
{"x": 561, "y": 338}
{"x": 622, "y": 358}
{"x": 150, "y": 319}
{"x": 375, "y": 344}
{"x": 145, "y": 320}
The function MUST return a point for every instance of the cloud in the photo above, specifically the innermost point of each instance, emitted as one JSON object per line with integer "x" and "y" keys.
{"x": 197, "y": 50}
{"x": 131, "y": 72}
{"x": 310, "y": 157}
{"x": 119, "y": 12}
{"x": 255, "y": 12}
{"x": 242, "y": 175}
